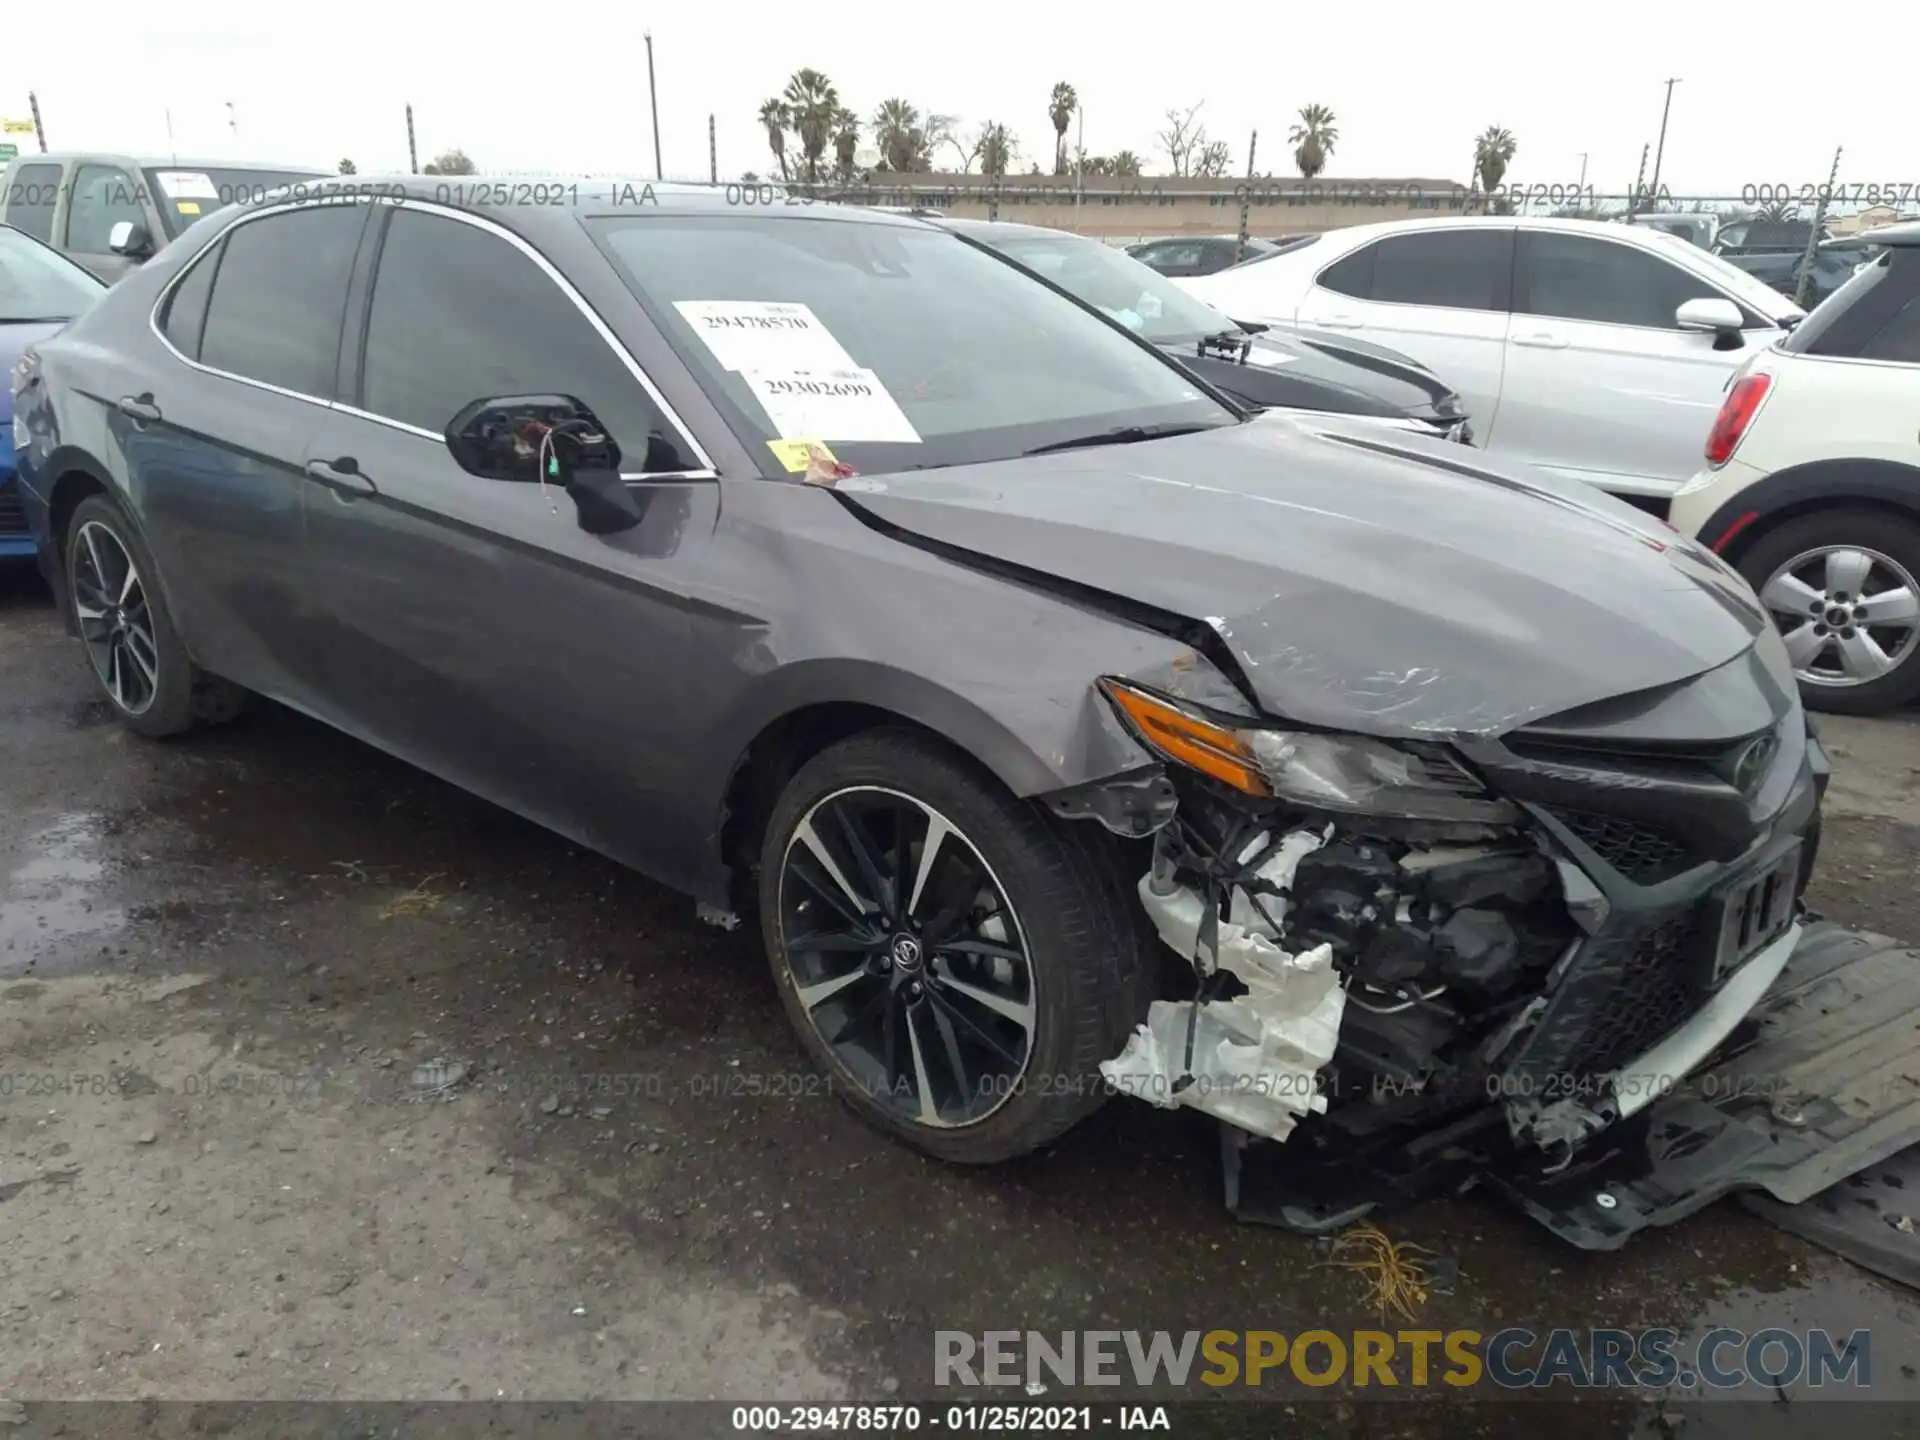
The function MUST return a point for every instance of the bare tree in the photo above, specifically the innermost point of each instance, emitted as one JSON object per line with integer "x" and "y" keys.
{"x": 1212, "y": 161}
{"x": 1183, "y": 139}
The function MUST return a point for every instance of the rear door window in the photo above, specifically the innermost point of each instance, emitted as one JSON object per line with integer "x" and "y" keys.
{"x": 29, "y": 200}
{"x": 278, "y": 300}
{"x": 1446, "y": 269}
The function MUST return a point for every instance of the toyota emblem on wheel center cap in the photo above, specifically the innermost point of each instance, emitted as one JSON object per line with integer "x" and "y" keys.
{"x": 906, "y": 952}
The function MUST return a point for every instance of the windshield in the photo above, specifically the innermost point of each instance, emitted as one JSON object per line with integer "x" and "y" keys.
{"x": 185, "y": 195}
{"x": 900, "y": 346}
{"x": 1743, "y": 286}
{"x": 37, "y": 284}
{"x": 1135, "y": 294}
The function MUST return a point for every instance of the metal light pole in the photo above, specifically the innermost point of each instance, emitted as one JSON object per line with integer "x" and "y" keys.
{"x": 1662, "y": 147}
{"x": 713, "y": 153}
{"x": 1805, "y": 282}
{"x": 1639, "y": 186}
{"x": 1079, "y": 161}
{"x": 653, "y": 101}
{"x": 1583, "y": 171}
{"x": 1246, "y": 199}
{"x": 39, "y": 130}
{"x": 413, "y": 155}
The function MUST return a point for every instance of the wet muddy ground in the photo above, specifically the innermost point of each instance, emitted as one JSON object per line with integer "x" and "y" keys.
{"x": 321, "y": 1079}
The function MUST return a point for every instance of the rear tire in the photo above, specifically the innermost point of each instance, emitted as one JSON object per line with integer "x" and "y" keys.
{"x": 1795, "y": 566}
{"x": 961, "y": 1003}
{"x": 138, "y": 662}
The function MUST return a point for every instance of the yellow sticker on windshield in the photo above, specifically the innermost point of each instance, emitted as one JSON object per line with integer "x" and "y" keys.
{"x": 187, "y": 207}
{"x": 795, "y": 454}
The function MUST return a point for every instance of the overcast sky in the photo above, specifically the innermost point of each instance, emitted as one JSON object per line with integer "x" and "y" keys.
{"x": 562, "y": 86}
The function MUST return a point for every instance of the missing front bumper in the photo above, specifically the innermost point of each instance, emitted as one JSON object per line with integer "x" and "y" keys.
{"x": 1821, "y": 1081}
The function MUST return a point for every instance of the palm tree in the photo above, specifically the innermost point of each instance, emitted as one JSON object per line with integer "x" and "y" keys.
{"x": 994, "y": 147}
{"x": 1491, "y": 152}
{"x": 1125, "y": 163}
{"x": 1060, "y": 110}
{"x": 1313, "y": 139}
{"x": 812, "y": 103}
{"x": 897, "y": 132}
{"x": 773, "y": 115}
{"x": 846, "y": 141}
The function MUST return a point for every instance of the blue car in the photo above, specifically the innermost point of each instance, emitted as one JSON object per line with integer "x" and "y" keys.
{"x": 40, "y": 291}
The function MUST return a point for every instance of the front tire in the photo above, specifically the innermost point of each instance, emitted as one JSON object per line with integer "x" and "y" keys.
{"x": 954, "y": 957}
{"x": 1843, "y": 586}
{"x": 138, "y": 662}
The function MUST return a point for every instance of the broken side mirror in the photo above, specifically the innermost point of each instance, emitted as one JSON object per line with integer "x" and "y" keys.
{"x": 552, "y": 439}
{"x": 130, "y": 239}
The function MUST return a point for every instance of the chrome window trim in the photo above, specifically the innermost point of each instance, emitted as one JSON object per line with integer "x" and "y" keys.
{"x": 706, "y": 470}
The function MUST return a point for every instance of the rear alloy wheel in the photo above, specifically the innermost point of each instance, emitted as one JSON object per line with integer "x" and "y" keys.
{"x": 137, "y": 658}
{"x": 1844, "y": 589}
{"x": 951, "y": 955}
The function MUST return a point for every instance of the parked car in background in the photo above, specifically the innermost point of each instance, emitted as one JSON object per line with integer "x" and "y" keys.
{"x": 39, "y": 293}
{"x": 1599, "y": 351}
{"x": 1197, "y": 254}
{"x": 1834, "y": 261}
{"x": 828, "y": 567}
{"x": 72, "y": 201}
{"x": 1757, "y": 235}
{"x": 1695, "y": 228}
{"x": 1812, "y": 485}
{"x": 1262, "y": 366}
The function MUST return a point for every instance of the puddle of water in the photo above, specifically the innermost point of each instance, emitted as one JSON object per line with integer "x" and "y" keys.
{"x": 53, "y": 899}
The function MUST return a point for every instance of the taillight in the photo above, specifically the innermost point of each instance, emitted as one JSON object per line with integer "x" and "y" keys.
{"x": 1736, "y": 414}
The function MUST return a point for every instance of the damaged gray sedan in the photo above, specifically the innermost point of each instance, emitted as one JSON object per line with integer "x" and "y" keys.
{"x": 1069, "y": 732}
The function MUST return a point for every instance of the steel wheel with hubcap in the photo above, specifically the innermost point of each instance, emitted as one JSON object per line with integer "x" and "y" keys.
{"x": 952, "y": 955}
{"x": 1841, "y": 587}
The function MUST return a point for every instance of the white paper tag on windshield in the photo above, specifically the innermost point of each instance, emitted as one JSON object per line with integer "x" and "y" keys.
{"x": 765, "y": 335}
{"x": 187, "y": 185}
{"x": 833, "y": 405}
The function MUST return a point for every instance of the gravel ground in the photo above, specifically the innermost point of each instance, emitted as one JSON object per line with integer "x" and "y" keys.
{"x": 363, "y": 1089}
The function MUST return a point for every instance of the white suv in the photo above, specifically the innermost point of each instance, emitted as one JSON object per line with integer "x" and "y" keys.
{"x": 1812, "y": 485}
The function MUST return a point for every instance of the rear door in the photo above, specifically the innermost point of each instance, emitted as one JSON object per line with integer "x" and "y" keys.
{"x": 1439, "y": 295}
{"x": 215, "y": 436}
{"x": 1602, "y": 384}
{"x": 470, "y": 625}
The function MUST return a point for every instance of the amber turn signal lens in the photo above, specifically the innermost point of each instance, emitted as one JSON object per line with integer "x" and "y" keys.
{"x": 1208, "y": 748}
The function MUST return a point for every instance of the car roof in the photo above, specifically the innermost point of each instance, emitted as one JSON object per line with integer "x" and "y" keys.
{"x": 1904, "y": 234}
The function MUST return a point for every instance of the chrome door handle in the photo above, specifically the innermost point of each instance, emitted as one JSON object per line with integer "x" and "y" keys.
{"x": 1542, "y": 341}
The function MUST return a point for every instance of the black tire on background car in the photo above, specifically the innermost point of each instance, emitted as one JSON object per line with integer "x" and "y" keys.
{"x": 1843, "y": 585}
{"x": 958, "y": 960}
{"x": 133, "y": 651}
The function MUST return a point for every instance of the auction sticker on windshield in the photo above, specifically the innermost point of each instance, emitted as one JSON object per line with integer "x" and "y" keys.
{"x": 846, "y": 403}
{"x": 187, "y": 185}
{"x": 774, "y": 335}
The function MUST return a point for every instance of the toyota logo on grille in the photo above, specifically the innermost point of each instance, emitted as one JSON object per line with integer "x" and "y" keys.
{"x": 906, "y": 952}
{"x": 1753, "y": 762}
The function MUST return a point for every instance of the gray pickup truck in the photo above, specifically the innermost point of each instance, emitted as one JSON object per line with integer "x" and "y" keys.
{"x": 72, "y": 201}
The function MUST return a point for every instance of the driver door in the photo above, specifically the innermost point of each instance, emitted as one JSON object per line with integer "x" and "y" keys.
{"x": 1601, "y": 384}
{"x": 470, "y": 625}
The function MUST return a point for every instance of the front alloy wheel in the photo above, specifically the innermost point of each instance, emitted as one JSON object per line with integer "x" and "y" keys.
{"x": 958, "y": 960}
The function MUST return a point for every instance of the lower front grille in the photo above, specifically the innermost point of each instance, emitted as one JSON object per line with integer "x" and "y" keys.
{"x": 13, "y": 512}
{"x": 1657, "y": 991}
{"x": 1644, "y": 853}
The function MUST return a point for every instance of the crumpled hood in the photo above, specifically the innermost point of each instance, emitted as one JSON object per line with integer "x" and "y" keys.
{"x": 1389, "y": 585}
{"x": 15, "y": 337}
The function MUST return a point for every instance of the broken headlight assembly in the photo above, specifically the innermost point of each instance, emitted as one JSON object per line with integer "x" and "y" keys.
{"x": 1341, "y": 774}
